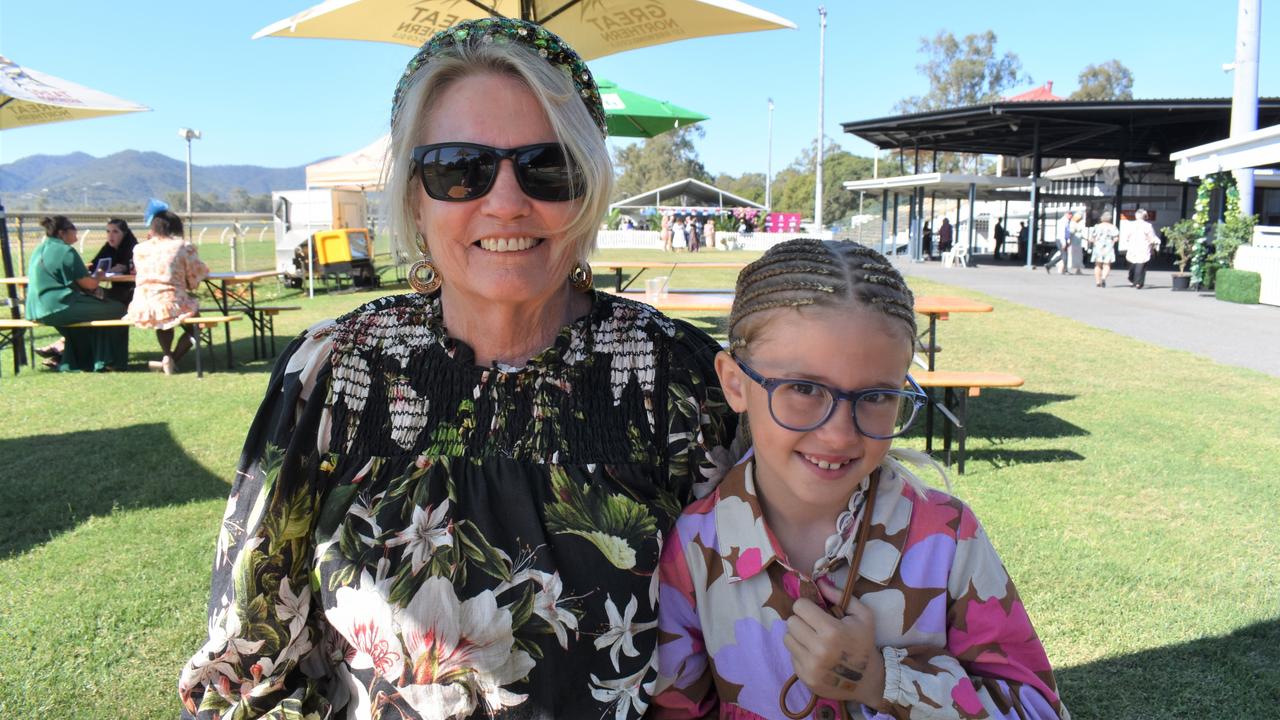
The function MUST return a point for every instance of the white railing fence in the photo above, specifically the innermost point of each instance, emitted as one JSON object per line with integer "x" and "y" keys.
{"x": 725, "y": 240}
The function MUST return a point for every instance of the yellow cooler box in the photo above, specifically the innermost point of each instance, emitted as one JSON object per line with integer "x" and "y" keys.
{"x": 344, "y": 252}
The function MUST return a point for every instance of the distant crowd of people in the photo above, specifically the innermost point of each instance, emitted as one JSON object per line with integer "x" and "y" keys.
{"x": 687, "y": 232}
{"x": 1073, "y": 238}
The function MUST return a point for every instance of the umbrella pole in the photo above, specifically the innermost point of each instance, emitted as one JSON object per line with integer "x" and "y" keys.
{"x": 19, "y": 350}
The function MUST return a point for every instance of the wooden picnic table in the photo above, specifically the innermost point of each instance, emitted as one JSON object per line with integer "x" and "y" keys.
{"x": 938, "y": 307}
{"x": 640, "y": 266}
{"x": 683, "y": 302}
{"x": 221, "y": 287}
{"x": 21, "y": 280}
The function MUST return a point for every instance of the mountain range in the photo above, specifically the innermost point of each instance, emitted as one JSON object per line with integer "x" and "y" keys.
{"x": 127, "y": 179}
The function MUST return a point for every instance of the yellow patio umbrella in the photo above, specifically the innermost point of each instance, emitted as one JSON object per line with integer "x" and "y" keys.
{"x": 593, "y": 28}
{"x": 30, "y": 97}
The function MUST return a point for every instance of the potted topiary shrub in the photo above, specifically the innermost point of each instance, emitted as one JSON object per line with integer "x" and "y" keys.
{"x": 1182, "y": 237}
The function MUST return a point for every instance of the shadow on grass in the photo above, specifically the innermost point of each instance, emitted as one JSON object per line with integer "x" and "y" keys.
{"x": 52, "y": 483}
{"x": 1229, "y": 676}
{"x": 999, "y": 416}
{"x": 215, "y": 359}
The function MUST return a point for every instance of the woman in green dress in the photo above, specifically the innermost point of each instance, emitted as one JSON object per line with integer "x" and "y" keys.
{"x": 61, "y": 292}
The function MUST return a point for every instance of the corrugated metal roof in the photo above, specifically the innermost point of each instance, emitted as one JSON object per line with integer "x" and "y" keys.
{"x": 1147, "y": 129}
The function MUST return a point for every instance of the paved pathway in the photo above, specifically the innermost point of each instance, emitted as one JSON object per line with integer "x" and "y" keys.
{"x": 1242, "y": 335}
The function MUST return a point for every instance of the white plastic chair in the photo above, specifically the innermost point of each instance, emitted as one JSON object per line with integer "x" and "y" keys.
{"x": 957, "y": 254}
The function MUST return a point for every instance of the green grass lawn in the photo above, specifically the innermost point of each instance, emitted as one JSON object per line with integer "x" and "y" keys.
{"x": 1130, "y": 490}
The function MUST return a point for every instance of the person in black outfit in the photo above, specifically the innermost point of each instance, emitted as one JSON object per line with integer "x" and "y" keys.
{"x": 119, "y": 250}
{"x": 1000, "y": 234}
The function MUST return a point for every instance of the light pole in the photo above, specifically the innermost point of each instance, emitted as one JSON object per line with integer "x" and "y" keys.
{"x": 1244, "y": 96}
{"x": 85, "y": 190}
{"x": 817, "y": 193}
{"x": 768, "y": 172}
{"x": 188, "y": 135}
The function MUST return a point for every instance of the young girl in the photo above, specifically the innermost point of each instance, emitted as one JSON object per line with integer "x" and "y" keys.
{"x": 755, "y": 580}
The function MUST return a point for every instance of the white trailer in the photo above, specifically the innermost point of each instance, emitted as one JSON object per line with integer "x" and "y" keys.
{"x": 299, "y": 214}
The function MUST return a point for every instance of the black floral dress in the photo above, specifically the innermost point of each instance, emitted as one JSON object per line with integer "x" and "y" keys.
{"x": 412, "y": 536}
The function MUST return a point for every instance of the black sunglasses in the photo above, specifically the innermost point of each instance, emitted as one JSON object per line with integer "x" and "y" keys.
{"x": 459, "y": 171}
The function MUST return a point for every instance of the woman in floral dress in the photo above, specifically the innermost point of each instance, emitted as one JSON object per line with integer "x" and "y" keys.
{"x": 168, "y": 271}
{"x": 452, "y": 502}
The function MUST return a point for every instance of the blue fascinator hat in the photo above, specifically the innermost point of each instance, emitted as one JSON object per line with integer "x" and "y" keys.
{"x": 154, "y": 207}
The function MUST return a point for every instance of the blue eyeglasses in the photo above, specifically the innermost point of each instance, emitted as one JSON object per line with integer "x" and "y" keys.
{"x": 804, "y": 405}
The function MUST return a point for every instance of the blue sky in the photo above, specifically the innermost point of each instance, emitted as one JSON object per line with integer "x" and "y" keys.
{"x": 281, "y": 102}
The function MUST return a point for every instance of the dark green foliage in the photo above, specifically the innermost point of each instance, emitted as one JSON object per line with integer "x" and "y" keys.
{"x": 963, "y": 72}
{"x": 657, "y": 161}
{"x": 1237, "y": 286}
{"x": 1182, "y": 235}
{"x": 1110, "y": 80}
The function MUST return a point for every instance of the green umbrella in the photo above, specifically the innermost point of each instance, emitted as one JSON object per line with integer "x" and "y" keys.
{"x": 631, "y": 114}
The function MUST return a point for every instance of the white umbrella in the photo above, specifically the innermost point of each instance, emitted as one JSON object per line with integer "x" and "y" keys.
{"x": 593, "y": 28}
{"x": 30, "y": 97}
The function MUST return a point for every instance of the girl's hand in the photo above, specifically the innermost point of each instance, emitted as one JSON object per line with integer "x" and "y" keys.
{"x": 836, "y": 658}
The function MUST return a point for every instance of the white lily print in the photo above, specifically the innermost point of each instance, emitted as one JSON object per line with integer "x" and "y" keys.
{"x": 292, "y": 607}
{"x": 464, "y": 649}
{"x": 220, "y": 656}
{"x": 226, "y": 533}
{"x": 622, "y": 631}
{"x": 429, "y": 529}
{"x": 623, "y": 693}
{"x": 363, "y": 618}
{"x": 545, "y": 605}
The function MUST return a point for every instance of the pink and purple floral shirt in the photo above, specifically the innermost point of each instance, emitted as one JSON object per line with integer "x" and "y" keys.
{"x": 956, "y": 640}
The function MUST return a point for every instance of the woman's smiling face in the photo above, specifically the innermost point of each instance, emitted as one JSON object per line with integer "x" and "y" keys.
{"x": 503, "y": 247}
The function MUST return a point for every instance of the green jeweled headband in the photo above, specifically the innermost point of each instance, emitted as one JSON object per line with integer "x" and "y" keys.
{"x": 500, "y": 29}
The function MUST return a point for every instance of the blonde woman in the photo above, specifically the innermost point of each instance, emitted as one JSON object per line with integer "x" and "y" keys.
{"x": 452, "y": 502}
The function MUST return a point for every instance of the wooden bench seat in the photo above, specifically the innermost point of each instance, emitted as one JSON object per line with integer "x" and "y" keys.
{"x": 264, "y": 324}
{"x": 11, "y": 332}
{"x": 262, "y": 320}
{"x": 958, "y": 386}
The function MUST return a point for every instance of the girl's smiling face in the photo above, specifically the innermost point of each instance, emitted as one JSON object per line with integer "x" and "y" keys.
{"x": 815, "y": 472}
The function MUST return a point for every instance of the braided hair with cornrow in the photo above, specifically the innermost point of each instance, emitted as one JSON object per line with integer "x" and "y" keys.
{"x": 804, "y": 272}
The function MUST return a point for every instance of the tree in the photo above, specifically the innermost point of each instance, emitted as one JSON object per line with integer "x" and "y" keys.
{"x": 963, "y": 72}
{"x": 749, "y": 186}
{"x": 200, "y": 202}
{"x": 658, "y": 161}
{"x": 793, "y": 188}
{"x": 1109, "y": 81}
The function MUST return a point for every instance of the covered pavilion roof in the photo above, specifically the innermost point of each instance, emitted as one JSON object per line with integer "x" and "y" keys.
{"x": 1110, "y": 129}
{"x": 986, "y": 187}
{"x": 688, "y": 193}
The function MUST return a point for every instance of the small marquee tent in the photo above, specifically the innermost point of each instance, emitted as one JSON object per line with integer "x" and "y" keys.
{"x": 360, "y": 170}
{"x": 685, "y": 194}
